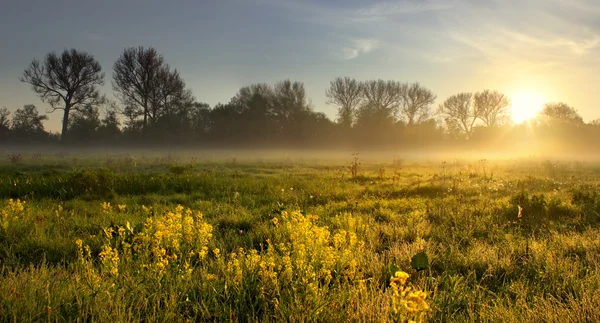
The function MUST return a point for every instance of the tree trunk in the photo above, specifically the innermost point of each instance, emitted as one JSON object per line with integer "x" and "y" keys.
{"x": 145, "y": 125}
{"x": 65, "y": 125}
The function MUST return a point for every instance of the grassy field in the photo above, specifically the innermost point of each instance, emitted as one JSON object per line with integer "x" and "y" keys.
{"x": 209, "y": 238}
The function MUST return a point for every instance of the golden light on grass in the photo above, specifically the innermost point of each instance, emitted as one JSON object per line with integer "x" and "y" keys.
{"x": 525, "y": 105}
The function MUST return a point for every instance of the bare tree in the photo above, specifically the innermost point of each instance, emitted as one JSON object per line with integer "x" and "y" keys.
{"x": 136, "y": 76}
{"x": 381, "y": 100}
{"x": 559, "y": 112}
{"x": 247, "y": 93}
{"x": 67, "y": 82}
{"x": 385, "y": 95}
{"x": 459, "y": 113}
{"x": 170, "y": 96}
{"x": 416, "y": 103}
{"x": 290, "y": 99}
{"x": 347, "y": 94}
{"x": 492, "y": 107}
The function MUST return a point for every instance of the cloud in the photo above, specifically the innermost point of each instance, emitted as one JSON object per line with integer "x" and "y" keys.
{"x": 359, "y": 46}
{"x": 558, "y": 35}
{"x": 388, "y": 8}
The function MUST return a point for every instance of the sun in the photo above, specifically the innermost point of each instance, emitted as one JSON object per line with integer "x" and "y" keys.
{"x": 525, "y": 105}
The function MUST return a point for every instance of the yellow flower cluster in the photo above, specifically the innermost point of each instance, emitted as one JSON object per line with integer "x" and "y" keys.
{"x": 174, "y": 235}
{"x": 106, "y": 207}
{"x": 406, "y": 302}
{"x": 86, "y": 271}
{"x": 303, "y": 259}
{"x": 109, "y": 259}
{"x": 12, "y": 210}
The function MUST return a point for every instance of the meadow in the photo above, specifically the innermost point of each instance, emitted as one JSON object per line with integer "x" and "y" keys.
{"x": 211, "y": 237}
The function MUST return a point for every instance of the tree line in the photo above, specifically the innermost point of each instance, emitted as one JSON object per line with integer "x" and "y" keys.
{"x": 154, "y": 106}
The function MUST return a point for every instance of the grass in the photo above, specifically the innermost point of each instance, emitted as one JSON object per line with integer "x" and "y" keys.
{"x": 103, "y": 238}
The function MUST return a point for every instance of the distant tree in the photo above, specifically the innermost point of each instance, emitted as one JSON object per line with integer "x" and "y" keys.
{"x": 246, "y": 95}
{"x": 135, "y": 75}
{"x": 491, "y": 107}
{"x": 4, "y": 118}
{"x": 200, "y": 119}
{"x": 595, "y": 122}
{"x": 27, "y": 124}
{"x": 67, "y": 82}
{"x": 255, "y": 105}
{"x": 416, "y": 103}
{"x": 109, "y": 129}
{"x": 171, "y": 98}
{"x": 132, "y": 122}
{"x": 381, "y": 100}
{"x": 559, "y": 112}
{"x": 84, "y": 124}
{"x": 347, "y": 94}
{"x": 4, "y": 123}
{"x": 148, "y": 87}
{"x": 459, "y": 114}
{"x": 224, "y": 122}
{"x": 290, "y": 106}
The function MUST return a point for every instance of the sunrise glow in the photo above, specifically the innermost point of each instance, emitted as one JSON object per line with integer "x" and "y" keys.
{"x": 525, "y": 105}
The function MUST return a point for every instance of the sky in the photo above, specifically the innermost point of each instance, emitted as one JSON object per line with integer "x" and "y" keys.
{"x": 550, "y": 47}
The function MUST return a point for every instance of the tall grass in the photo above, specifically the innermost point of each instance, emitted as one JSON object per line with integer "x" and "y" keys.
{"x": 283, "y": 241}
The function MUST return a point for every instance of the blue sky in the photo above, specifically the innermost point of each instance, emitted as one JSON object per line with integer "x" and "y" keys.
{"x": 550, "y": 47}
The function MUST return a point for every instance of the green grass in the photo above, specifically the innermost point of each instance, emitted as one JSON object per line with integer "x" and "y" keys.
{"x": 486, "y": 262}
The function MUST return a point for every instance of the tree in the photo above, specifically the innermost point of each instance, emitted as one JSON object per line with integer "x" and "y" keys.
{"x": 459, "y": 114}
{"x": 381, "y": 100}
{"x": 84, "y": 124}
{"x": 416, "y": 103}
{"x": 246, "y": 95}
{"x": 67, "y": 83}
{"x": 27, "y": 124}
{"x": 347, "y": 94}
{"x": 595, "y": 122}
{"x": 289, "y": 107}
{"x": 109, "y": 129}
{"x": 559, "y": 112}
{"x": 134, "y": 79}
{"x": 148, "y": 87}
{"x": 4, "y": 123}
{"x": 200, "y": 119}
{"x": 491, "y": 107}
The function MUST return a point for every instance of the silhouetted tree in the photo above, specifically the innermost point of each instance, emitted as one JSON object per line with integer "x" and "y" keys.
{"x": 84, "y": 124}
{"x": 245, "y": 95}
{"x": 347, "y": 94}
{"x": 200, "y": 119}
{"x": 459, "y": 114}
{"x": 224, "y": 120}
{"x": 148, "y": 87}
{"x": 27, "y": 124}
{"x": 416, "y": 103}
{"x": 109, "y": 129}
{"x": 67, "y": 83}
{"x": 256, "y": 108}
{"x": 492, "y": 107}
{"x": 290, "y": 106}
{"x": 381, "y": 100}
{"x": 4, "y": 123}
{"x": 559, "y": 112}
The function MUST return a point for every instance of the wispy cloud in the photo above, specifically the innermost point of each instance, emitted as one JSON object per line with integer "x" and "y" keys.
{"x": 358, "y": 47}
{"x": 387, "y": 8}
